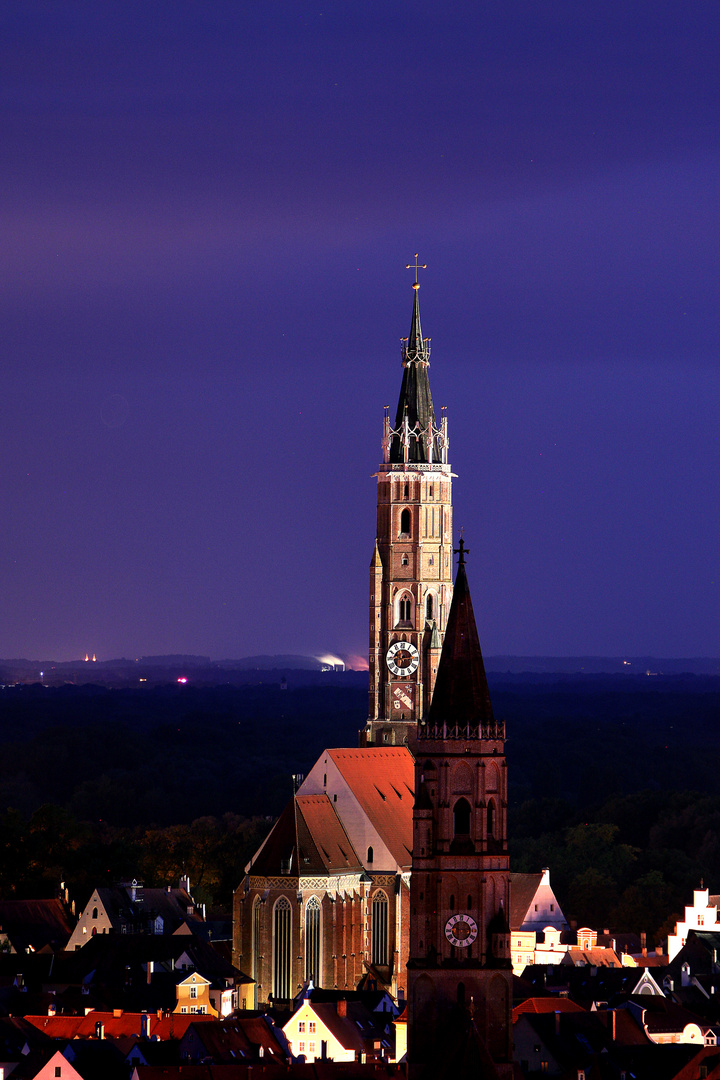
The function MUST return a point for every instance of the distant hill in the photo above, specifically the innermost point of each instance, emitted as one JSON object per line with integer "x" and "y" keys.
{"x": 267, "y": 669}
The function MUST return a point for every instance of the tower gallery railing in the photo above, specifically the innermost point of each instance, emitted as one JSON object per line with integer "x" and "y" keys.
{"x": 496, "y": 730}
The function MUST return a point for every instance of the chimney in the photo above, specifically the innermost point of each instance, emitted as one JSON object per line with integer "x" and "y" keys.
{"x": 557, "y": 1022}
{"x": 99, "y": 1030}
{"x": 150, "y": 969}
{"x": 342, "y": 1007}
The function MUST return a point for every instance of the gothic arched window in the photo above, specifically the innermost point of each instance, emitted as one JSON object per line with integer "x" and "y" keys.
{"x": 379, "y": 953}
{"x": 282, "y": 947}
{"x": 256, "y": 939}
{"x": 461, "y": 817}
{"x": 405, "y": 608}
{"x": 429, "y": 607}
{"x": 405, "y": 522}
{"x": 312, "y": 940}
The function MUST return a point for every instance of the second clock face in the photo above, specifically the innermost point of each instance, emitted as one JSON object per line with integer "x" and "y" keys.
{"x": 402, "y": 658}
{"x": 461, "y": 930}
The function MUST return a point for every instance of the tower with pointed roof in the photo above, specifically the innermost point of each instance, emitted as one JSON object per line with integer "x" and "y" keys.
{"x": 411, "y": 567}
{"x": 459, "y": 971}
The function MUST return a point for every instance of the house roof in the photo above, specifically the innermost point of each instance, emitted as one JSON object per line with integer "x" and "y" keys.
{"x": 109, "y": 955}
{"x": 522, "y": 890}
{"x": 167, "y": 1026}
{"x": 546, "y": 1005}
{"x": 35, "y": 923}
{"x": 593, "y": 957}
{"x": 225, "y": 1040}
{"x": 662, "y": 1016}
{"x": 358, "y": 1027}
{"x": 175, "y": 906}
{"x": 382, "y": 779}
{"x": 709, "y": 1056}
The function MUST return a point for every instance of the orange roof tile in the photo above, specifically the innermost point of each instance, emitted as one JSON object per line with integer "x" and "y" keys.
{"x": 546, "y": 1005}
{"x": 172, "y": 1026}
{"x": 382, "y": 779}
{"x": 330, "y": 841}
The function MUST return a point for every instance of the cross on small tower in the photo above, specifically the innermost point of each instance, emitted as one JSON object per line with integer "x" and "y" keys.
{"x": 416, "y": 266}
{"x": 461, "y": 551}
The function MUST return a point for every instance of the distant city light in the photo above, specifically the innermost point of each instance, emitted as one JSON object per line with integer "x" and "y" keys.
{"x": 182, "y": 679}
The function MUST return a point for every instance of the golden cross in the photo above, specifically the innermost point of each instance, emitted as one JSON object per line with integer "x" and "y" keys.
{"x": 417, "y": 266}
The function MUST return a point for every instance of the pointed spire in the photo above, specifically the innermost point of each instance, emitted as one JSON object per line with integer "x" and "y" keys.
{"x": 415, "y": 346}
{"x": 415, "y": 406}
{"x": 461, "y": 691}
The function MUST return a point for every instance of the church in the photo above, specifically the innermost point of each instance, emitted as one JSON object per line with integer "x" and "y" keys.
{"x": 389, "y": 867}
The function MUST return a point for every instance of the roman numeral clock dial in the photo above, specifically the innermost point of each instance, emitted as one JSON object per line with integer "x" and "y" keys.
{"x": 402, "y": 658}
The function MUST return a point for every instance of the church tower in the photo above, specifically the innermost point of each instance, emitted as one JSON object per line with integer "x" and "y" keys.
{"x": 459, "y": 971}
{"x": 411, "y": 567}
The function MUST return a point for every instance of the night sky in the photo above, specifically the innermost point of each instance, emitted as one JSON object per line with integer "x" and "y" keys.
{"x": 207, "y": 208}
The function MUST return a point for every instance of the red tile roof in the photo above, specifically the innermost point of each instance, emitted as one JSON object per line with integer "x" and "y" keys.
{"x": 172, "y": 1026}
{"x": 546, "y": 1005}
{"x": 330, "y": 842}
{"x": 382, "y": 779}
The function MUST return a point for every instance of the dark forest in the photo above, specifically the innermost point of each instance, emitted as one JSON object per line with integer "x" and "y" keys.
{"x": 613, "y": 783}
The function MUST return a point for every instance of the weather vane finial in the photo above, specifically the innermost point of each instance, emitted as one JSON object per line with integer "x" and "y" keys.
{"x": 416, "y": 266}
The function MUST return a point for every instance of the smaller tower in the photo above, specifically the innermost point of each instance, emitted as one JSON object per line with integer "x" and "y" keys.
{"x": 459, "y": 972}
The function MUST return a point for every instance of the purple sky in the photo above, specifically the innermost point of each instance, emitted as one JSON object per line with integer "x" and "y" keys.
{"x": 206, "y": 213}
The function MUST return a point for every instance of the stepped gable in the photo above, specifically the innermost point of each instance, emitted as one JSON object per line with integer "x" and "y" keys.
{"x": 382, "y": 781}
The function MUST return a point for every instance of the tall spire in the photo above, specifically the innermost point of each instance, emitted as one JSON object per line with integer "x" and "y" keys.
{"x": 415, "y": 349}
{"x": 461, "y": 691}
{"x": 414, "y": 438}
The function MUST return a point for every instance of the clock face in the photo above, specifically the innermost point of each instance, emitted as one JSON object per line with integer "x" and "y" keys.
{"x": 402, "y": 658}
{"x": 461, "y": 930}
